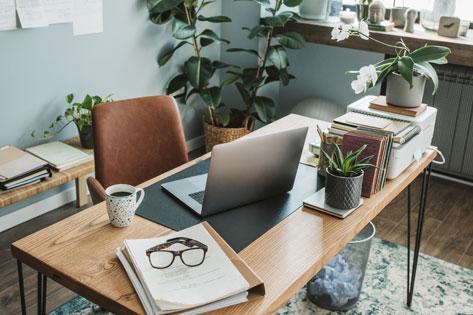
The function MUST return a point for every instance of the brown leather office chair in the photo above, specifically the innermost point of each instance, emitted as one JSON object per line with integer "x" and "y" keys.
{"x": 135, "y": 140}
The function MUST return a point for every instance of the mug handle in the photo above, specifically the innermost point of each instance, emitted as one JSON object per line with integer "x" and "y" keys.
{"x": 142, "y": 196}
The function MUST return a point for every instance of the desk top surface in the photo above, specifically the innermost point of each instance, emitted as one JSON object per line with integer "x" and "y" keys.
{"x": 58, "y": 178}
{"x": 79, "y": 252}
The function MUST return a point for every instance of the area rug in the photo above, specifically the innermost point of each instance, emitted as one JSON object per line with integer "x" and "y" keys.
{"x": 441, "y": 288}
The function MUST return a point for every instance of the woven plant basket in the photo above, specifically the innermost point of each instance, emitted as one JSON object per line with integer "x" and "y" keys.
{"x": 218, "y": 135}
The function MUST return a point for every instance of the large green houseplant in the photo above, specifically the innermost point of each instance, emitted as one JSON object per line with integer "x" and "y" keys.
{"x": 273, "y": 60}
{"x": 196, "y": 74}
{"x": 79, "y": 113}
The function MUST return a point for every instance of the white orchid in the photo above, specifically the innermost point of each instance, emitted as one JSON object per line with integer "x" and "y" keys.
{"x": 341, "y": 32}
{"x": 367, "y": 76}
{"x": 363, "y": 30}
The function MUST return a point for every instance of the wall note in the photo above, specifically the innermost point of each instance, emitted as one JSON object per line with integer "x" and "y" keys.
{"x": 31, "y": 13}
{"x": 7, "y": 15}
{"x": 88, "y": 17}
{"x": 58, "y": 11}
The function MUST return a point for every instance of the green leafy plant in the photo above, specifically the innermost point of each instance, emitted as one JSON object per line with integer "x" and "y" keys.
{"x": 273, "y": 61}
{"x": 197, "y": 71}
{"x": 79, "y": 113}
{"x": 347, "y": 165}
{"x": 406, "y": 62}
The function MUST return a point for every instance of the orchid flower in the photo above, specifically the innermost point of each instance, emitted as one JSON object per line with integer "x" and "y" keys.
{"x": 367, "y": 77}
{"x": 341, "y": 32}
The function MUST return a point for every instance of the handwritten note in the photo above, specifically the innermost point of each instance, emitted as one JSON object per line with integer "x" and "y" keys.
{"x": 88, "y": 17}
{"x": 7, "y": 15}
{"x": 31, "y": 13}
{"x": 58, "y": 11}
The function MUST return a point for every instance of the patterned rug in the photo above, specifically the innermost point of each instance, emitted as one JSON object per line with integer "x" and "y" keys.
{"x": 441, "y": 288}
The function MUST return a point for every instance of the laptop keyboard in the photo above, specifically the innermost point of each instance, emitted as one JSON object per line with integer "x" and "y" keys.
{"x": 198, "y": 196}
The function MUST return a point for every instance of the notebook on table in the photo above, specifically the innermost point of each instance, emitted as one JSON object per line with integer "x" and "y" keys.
{"x": 15, "y": 163}
{"x": 59, "y": 155}
{"x": 223, "y": 279}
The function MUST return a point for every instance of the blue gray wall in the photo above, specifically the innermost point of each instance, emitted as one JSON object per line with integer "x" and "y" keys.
{"x": 39, "y": 67}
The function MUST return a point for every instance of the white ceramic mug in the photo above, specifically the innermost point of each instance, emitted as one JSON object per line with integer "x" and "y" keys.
{"x": 122, "y": 203}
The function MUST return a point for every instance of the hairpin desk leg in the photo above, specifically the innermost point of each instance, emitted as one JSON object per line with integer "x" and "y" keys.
{"x": 40, "y": 293}
{"x": 44, "y": 295}
{"x": 22, "y": 287}
{"x": 420, "y": 223}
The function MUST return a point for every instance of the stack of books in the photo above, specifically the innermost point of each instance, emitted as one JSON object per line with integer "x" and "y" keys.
{"x": 402, "y": 131}
{"x": 59, "y": 155}
{"x": 222, "y": 279}
{"x": 379, "y": 144}
{"x": 19, "y": 168}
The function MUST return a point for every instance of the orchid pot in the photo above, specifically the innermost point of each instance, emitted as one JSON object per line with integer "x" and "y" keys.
{"x": 399, "y": 93}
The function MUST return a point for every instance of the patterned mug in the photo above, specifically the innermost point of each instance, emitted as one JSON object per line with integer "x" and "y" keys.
{"x": 122, "y": 203}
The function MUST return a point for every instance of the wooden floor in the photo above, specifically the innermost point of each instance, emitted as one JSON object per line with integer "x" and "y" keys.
{"x": 448, "y": 235}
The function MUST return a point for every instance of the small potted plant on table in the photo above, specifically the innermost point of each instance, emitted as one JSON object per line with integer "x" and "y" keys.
{"x": 344, "y": 178}
{"x": 81, "y": 115}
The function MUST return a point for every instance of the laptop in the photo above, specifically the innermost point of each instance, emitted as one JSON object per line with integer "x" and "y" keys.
{"x": 243, "y": 172}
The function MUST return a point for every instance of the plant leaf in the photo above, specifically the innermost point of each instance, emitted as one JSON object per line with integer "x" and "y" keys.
{"x": 429, "y": 53}
{"x": 198, "y": 71}
{"x": 181, "y": 30}
{"x": 293, "y": 3}
{"x": 429, "y": 72}
{"x": 212, "y": 35}
{"x": 292, "y": 40}
{"x": 265, "y": 108}
{"x": 160, "y": 6}
{"x": 215, "y": 19}
{"x": 223, "y": 119}
{"x": 278, "y": 56}
{"x": 406, "y": 68}
{"x": 250, "y": 51}
{"x": 176, "y": 84}
{"x": 167, "y": 55}
{"x": 211, "y": 96}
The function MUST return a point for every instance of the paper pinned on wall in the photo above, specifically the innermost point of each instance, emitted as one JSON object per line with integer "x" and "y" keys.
{"x": 58, "y": 11}
{"x": 31, "y": 13}
{"x": 88, "y": 17}
{"x": 7, "y": 15}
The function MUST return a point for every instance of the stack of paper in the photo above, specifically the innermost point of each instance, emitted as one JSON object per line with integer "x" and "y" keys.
{"x": 60, "y": 155}
{"x": 19, "y": 168}
{"x": 218, "y": 282}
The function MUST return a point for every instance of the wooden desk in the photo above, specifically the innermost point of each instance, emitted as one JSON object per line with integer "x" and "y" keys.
{"x": 78, "y": 174}
{"x": 320, "y": 32}
{"x": 79, "y": 252}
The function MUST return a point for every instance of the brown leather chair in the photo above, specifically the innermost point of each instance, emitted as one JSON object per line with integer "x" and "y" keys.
{"x": 135, "y": 140}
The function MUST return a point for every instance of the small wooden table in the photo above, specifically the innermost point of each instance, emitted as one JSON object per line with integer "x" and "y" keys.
{"x": 79, "y": 252}
{"x": 78, "y": 174}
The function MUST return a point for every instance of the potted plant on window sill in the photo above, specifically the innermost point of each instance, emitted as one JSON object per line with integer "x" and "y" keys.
{"x": 81, "y": 115}
{"x": 406, "y": 73}
{"x": 344, "y": 179}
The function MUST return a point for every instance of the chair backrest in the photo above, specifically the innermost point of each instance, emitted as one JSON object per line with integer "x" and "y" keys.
{"x": 137, "y": 139}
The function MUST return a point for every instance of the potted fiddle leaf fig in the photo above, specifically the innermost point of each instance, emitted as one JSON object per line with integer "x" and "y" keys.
{"x": 344, "y": 179}
{"x": 406, "y": 72}
{"x": 197, "y": 71}
{"x": 273, "y": 60}
{"x": 79, "y": 113}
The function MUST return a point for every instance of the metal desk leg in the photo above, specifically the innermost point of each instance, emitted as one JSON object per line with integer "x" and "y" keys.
{"x": 22, "y": 287}
{"x": 420, "y": 223}
{"x": 44, "y": 295}
{"x": 42, "y": 279}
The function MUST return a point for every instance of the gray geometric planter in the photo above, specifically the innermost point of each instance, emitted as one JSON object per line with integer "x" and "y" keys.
{"x": 343, "y": 192}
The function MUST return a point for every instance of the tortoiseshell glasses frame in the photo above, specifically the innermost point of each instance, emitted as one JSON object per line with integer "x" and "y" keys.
{"x": 191, "y": 243}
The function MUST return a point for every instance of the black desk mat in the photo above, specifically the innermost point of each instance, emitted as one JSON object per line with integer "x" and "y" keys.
{"x": 239, "y": 227}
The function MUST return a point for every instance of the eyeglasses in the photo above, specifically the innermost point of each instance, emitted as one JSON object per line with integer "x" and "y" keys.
{"x": 160, "y": 257}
